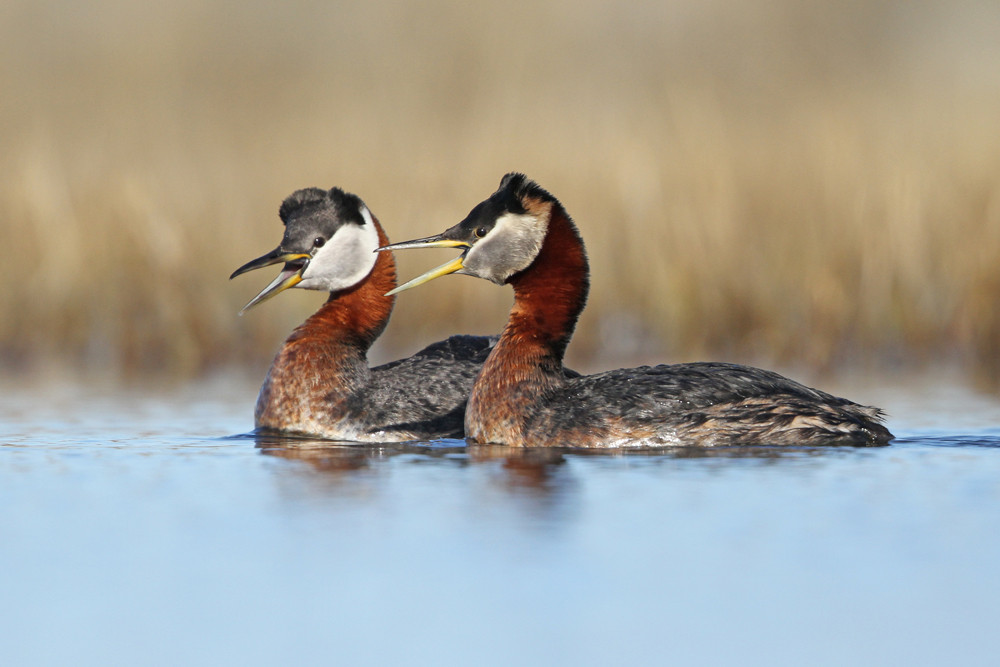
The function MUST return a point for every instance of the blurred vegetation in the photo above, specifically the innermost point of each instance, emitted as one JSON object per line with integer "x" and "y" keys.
{"x": 795, "y": 183}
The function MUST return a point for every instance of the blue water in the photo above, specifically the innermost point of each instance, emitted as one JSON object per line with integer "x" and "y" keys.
{"x": 140, "y": 528}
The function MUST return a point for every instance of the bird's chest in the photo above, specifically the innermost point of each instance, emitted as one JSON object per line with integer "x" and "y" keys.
{"x": 503, "y": 404}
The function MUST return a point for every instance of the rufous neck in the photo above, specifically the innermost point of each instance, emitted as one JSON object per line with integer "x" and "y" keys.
{"x": 551, "y": 293}
{"x": 358, "y": 315}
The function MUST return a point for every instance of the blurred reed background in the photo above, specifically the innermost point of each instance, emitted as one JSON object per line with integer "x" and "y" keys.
{"x": 792, "y": 183}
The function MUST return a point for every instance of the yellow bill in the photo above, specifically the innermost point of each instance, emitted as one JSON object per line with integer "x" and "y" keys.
{"x": 429, "y": 242}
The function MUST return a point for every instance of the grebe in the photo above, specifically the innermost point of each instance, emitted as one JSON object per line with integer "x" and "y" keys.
{"x": 319, "y": 383}
{"x": 523, "y": 236}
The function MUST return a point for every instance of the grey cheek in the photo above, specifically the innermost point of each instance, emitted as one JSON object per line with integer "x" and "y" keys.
{"x": 471, "y": 266}
{"x": 485, "y": 265}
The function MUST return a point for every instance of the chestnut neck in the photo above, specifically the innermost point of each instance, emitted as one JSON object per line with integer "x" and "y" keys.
{"x": 357, "y": 315}
{"x": 527, "y": 360}
{"x": 551, "y": 293}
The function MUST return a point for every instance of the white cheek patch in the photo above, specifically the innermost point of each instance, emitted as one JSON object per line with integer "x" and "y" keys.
{"x": 346, "y": 259}
{"x": 511, "y": 246}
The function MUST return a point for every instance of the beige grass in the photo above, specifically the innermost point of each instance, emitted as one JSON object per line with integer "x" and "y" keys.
{"x": 816, "y": 186}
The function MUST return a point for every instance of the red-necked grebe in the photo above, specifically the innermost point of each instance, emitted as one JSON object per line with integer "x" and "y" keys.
{"x": 319, "y": 383}
{"x": 523, "y": 236}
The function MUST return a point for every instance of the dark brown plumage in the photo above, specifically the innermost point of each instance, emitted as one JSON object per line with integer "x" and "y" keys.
{"x": 523, "y": 236}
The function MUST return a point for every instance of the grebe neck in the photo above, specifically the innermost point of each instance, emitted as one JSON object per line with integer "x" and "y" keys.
{"x": 324, "y": 362}
{"x": 357, "y": 315}
{"x": 526, "y": 362}
{"x": 551, "y": 293}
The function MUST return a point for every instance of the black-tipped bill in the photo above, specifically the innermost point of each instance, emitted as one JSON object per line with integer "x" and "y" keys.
{"x": 429, "y": 242}
{"x": 290, "y": 276}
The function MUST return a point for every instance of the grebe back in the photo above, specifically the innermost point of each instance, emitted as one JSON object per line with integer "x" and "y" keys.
{"x": 522, "y": 236}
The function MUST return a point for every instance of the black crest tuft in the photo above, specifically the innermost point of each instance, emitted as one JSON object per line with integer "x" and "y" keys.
{"x": 308, "y": 201}
{"x": 521, "y": 187}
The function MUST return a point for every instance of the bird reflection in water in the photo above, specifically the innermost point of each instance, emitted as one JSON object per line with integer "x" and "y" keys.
{"x": 524, "y": 469}
{"x": 539, "y": 472}
{"x": 344, "y": 457}
{"x": 536, "y": 471}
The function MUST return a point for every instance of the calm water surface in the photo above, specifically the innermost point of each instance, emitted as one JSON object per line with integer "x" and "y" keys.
{"x": 141, "y": 528}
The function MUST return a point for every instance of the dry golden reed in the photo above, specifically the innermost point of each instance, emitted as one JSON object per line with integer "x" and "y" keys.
{"x": 791, "y": 183}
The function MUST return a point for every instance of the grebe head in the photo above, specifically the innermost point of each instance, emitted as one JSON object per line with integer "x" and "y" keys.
{"x": 500, "y": 237}
{"x": 329, "y": 243}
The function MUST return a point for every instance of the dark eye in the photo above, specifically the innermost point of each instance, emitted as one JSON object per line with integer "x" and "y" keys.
{"x": 319, "y": 242}
{"x": 481, "y": 232}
